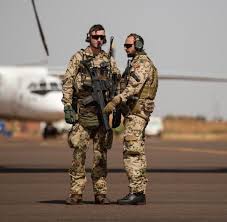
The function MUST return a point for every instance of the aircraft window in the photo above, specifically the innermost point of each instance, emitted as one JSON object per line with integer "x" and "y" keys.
{"x": 43, "y": 86}
{"x": 54, "y": 86}
{"x": 32, "y": 86}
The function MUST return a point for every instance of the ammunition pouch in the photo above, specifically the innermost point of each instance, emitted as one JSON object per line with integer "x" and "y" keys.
{"x": 88, "y": 120}
{"x": 87, "y": 100}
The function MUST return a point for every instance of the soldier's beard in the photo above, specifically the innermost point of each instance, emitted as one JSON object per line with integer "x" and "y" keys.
{"x": 130, "y": 55}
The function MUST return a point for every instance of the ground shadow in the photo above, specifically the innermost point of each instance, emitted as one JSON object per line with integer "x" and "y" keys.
{"x": 115, "y": 170}
{"x": 63, "y": 202}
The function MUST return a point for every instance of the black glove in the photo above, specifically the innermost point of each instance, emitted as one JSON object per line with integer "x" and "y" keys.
{"x": 70, "y": 114}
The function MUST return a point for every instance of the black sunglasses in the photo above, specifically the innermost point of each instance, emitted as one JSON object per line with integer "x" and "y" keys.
{"x": 96, "y": 37}
{"x": 127, "y": 46}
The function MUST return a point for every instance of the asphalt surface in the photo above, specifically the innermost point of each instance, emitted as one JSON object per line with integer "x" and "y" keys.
{"x": 187, "y": 182}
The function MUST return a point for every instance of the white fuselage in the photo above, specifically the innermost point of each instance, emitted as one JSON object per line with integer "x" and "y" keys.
{"x": 29, "y": 93}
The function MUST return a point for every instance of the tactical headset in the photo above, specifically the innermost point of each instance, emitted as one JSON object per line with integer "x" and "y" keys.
{"x": 139, "y": 42}
{"x": 92, "y": 29}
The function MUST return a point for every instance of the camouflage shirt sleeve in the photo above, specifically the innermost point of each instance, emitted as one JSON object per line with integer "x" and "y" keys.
{"x": 139, "y": 73}
{"x": 69, "y": 77}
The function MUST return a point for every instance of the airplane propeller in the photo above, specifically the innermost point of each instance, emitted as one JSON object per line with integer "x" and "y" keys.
{"x": 40, "y": 29}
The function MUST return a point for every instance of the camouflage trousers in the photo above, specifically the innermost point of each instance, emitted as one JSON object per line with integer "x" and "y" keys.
{"x": 79, "y": 139}
{"x": 134, "y": 153}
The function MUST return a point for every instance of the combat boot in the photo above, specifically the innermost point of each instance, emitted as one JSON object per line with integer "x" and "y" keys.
{"x": 74, "y": 199}
{"x": 133, "y": 199}
{"x": 101, "y": 199}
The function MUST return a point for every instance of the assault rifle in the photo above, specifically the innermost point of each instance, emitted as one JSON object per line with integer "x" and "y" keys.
{"x": 98, "y": 87}
{"x": 116, "y": 121}
{"x": 110, "y": 54}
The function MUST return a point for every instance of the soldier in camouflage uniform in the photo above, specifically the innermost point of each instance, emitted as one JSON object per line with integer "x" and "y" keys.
{"x": 139, "y": 85}
{"x": 85, "y": 117}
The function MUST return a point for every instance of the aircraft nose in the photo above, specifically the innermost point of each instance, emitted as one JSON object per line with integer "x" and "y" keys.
{"x": 51, "y": 106}
{"x": 53, "y": 103}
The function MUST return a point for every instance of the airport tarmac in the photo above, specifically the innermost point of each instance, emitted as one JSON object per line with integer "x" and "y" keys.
{"x": 187, "y": 182}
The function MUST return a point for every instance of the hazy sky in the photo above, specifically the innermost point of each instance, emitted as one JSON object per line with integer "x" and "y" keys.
{"x": 181, "y": 36}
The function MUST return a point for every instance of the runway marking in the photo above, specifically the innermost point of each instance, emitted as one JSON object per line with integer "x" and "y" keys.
{"x": 197, "y": 150}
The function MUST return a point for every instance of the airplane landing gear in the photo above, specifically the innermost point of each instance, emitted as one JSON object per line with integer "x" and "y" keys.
{"x": 49, "y": 131}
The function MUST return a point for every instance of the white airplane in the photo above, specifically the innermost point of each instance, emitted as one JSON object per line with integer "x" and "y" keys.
{"x": 29, "y": 93}
{"x": 34, "y": 93}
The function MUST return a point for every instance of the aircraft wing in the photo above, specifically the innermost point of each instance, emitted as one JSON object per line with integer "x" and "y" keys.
{"x": 59, "y": 71}
{"x": 192, "y": 78}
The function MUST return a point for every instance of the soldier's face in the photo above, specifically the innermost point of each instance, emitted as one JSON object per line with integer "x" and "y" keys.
{"x": 129, "y": 46}
{"x": 97, "y": 38}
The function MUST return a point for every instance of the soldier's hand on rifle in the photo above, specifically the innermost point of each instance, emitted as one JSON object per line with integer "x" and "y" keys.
{"x": 70, "y": 114}
{"x": 112, "y": 104}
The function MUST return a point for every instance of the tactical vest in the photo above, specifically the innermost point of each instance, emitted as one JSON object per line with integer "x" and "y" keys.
{"x": 88, "y": 114}
{"x": 150, "y": 87}
{"x": 103, "y": 71}
{"x": 148, "y": 90}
